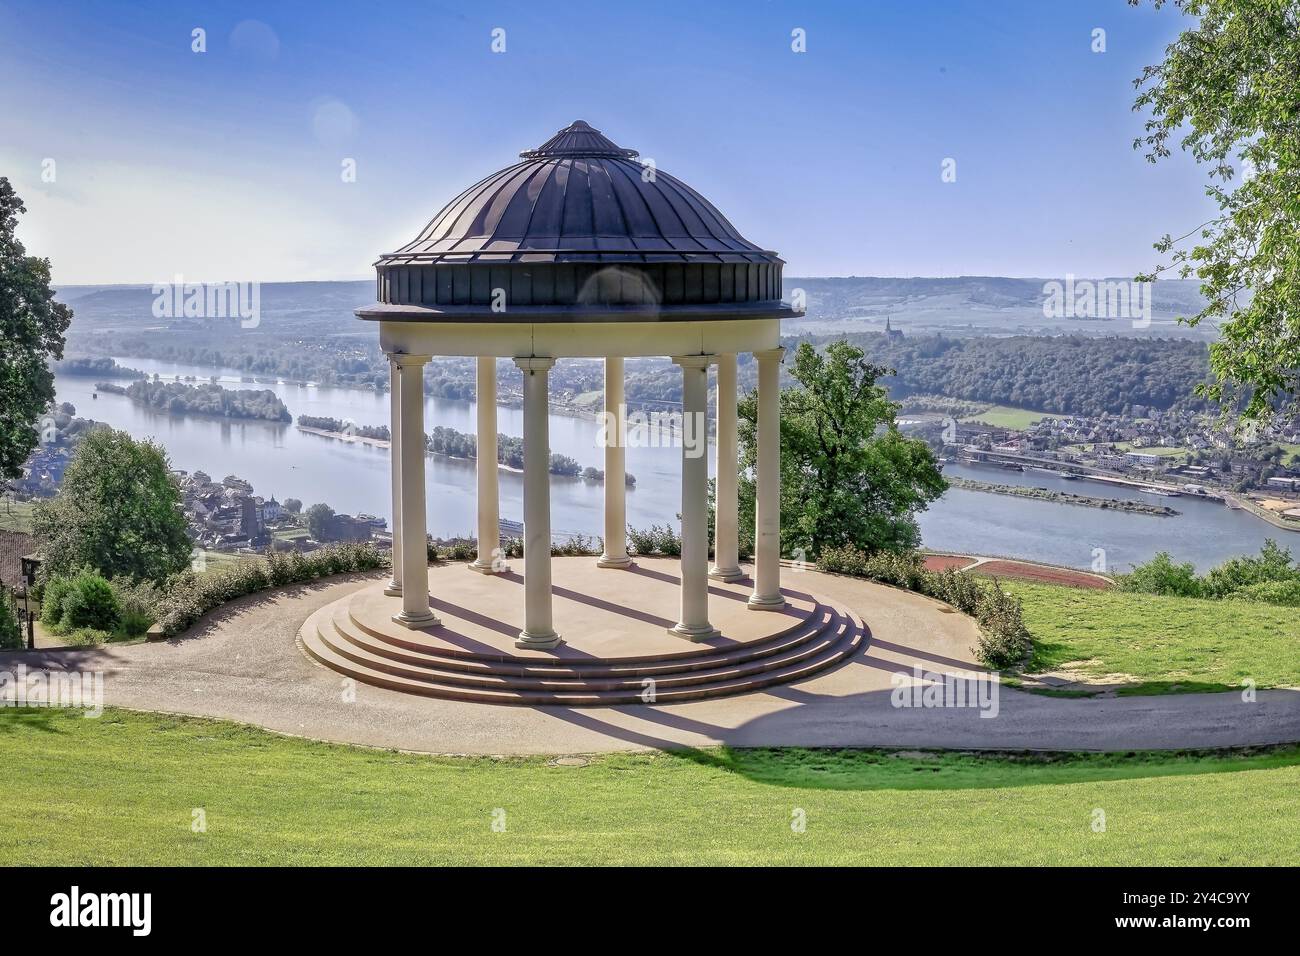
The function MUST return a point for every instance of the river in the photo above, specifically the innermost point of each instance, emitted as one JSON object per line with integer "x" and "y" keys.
{"x": 279, "y": 460}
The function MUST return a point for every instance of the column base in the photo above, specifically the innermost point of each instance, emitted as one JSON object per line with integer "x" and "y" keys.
{"x": 726, "y": 574}
{"x": 698, "y": 632}
{"x": 607, "y": 562}
{"x": 540, "y": 642}
{"x": 488, "y": 569}
{"x": 393, "y": 589}
{"x": 417, "y": 620}
{"x": 767, "y": 602}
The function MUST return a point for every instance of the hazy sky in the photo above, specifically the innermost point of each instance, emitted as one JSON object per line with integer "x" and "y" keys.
{"x": 227, "y": 164}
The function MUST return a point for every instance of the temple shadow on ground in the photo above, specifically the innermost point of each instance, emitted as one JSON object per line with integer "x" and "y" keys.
{"x": 908, "y": 768}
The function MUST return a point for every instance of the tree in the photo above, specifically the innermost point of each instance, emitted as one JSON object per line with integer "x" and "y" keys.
{"x": 848, "y": 476}
{"x": 118, "y": 512}
{"x": 31, "y": 333}
{"x": 318, "y": 521}
{"x": 1229, "y": 88}
{"x": 292, "y": 505}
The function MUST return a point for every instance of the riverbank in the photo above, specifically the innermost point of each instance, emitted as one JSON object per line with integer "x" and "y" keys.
{"x": 1262, "y": 513}
{"x": 1061, "y": 497}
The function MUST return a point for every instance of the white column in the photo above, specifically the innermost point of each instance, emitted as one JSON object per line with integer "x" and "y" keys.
{"x": 615, "y": 555}
{"x": 539, "y": 629}
{"x": 415, "y": 556}
{"x": 767, "y": 520}
{"x": 693, "y": 618}
{"x": 489, "y": 560}
{"x": 726, "y": 562}
{"x": 394, "y": 587}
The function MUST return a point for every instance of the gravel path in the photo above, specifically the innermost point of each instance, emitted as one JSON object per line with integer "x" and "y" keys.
{"x": 243, "y": 663}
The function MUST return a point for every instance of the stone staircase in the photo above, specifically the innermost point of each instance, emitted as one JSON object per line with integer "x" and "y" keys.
{"x": 338, "y": 638}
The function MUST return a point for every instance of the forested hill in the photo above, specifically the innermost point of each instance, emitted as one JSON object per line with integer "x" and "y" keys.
{"x": 1063, "y": 374}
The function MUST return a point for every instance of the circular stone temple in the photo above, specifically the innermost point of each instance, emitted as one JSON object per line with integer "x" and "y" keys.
{"x": 582, "y": 250}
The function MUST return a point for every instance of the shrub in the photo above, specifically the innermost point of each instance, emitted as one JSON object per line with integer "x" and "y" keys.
{"x": 90, "y": 602}
{"x": 578, "y": 546}
{"x": 52, "y": 595}
{"x": 138, "y": 602}
{"x": 87, "y": 636}
{"x": 1281, "y": 593}
{"x": 11, "y": 634}
{"x": 188, "y": 596}
{"x": 1004, "y": 640}
{"x": 1273, "y": 564}
{"x": 1161, "y": 576}
{"x": 655, "y": 540}
{"x": 1270, "y": 577}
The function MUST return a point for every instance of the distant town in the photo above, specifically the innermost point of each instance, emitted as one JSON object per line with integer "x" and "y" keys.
{"x": 1164, "y": 453}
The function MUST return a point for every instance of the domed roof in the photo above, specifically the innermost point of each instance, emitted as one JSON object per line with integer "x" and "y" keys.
{"x": 579, "y": 197}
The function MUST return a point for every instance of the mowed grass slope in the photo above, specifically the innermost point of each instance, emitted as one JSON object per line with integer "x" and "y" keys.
{"x": 124, "y": 788}
{"x": 1166, "y": 643}
{"x": 1008, "y": 416}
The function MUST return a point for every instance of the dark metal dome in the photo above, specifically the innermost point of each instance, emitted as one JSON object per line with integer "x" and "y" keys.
{"x": 549, "y": 228}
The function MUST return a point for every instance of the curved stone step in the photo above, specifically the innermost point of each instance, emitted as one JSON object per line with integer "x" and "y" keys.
{"x": 429, "y": 643}
{"x": 851, "y": 638}
{"x": 822, "y": 641}
{"x": 822, "y": 618}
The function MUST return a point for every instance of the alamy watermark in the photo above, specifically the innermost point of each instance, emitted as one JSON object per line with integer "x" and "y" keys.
{"x": 1098, "y": 299}
{"x": 925, "y": 689}
{"x": 209, "y": 300}
{"x": 77, "y": 690}
{"x": 659, "y": 429}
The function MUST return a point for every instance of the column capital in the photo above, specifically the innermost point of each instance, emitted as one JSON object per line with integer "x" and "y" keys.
{"x": 694, "y": 361}
{"x": 406, "y": 360}
{"x": 771, "y": 355}
{"x": 534, "y": 363}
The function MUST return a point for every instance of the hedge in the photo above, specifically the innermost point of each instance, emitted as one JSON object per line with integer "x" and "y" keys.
{"x": 1004, "y": 640}
{"x": 188, "y": 596}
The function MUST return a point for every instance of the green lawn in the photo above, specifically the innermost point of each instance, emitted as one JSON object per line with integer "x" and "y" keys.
{"x": 123, "y": 789}
{"x": 1160, "y": 451}
{"x": 1291, "y": 452}
{"x": 1007, "y": 416}
{"x": 16, "y": 516}
{"x": 1167, "y": 643}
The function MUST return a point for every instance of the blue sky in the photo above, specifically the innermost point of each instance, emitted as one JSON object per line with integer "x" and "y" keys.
{"x": 226, "y": 164}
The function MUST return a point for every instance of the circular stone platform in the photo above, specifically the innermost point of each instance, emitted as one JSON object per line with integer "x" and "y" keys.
{"x": 615, "y": 648}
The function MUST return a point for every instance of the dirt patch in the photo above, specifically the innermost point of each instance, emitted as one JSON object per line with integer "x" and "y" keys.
{"x": 942, "y": 562}
{"x": 1042, "y": 574}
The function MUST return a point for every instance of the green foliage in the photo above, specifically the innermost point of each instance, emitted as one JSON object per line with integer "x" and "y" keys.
{"x": 655, "y": 540}
{"x": 1065, "y": 375}
{"x": 32, "y": 325}
{"x": 118, "y": 511}
{"x": 1004, "y": 640}
{"x": 1274, "y": 564}
{"x": 89, "y": 602}
{"x": 577, "y": 546}
{"x": 318, "y": 520}
{"x": 177, "y": 398}
{"x": 52, "y": 595}
{"x": 137, "y": 601}
{"x": 292, "y": 505}
{"x": 1272, "y": 577}
{"x": 11, "y": 633}
{"x": 1228, "y": 92}
{"x": 1161, "y": 576}
{"x": 849, "y": 477}
{"x": 188, "y": 596}
{"x": 87, "y": 637}
{"x": 1281, "y": 593}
